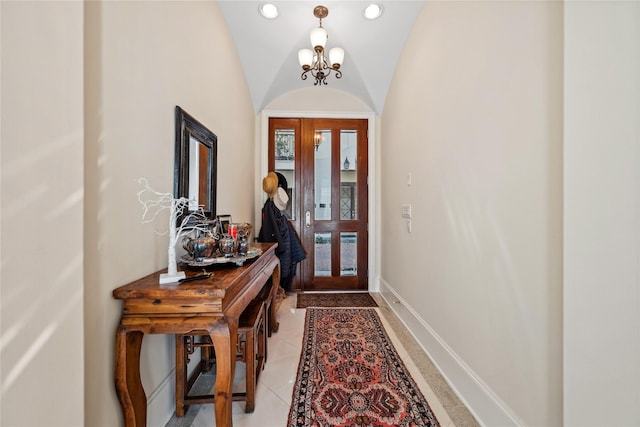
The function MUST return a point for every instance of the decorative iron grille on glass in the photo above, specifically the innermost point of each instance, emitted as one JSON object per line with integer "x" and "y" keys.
{"x": 315, "y": 62}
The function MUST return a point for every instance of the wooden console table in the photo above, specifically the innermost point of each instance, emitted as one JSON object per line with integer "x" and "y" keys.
{"x": 212, "y": 305}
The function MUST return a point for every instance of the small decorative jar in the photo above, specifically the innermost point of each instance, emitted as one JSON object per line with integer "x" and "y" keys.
{"x": 243, "y": 244}
{"x": 227, "y": 245}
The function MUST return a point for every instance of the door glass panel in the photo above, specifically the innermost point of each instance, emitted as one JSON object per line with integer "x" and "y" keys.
{"x": 322, "y": 174}
{"x": 348, "y": 254}
{"x": 285, "y": 164}
{"x": 322, "y": 254}
{"x": 348, "y": 174}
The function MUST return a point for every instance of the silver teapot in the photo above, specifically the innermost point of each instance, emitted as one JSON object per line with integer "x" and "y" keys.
{"x": 200, "y": 247}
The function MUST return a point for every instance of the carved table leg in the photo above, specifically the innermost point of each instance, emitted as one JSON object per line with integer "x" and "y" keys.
{"x": 275, "y": 278}
{"x": 127, "y": 377}
{"x": 224, "y": 338}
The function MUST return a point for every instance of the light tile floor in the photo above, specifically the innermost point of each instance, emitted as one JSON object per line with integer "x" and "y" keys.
{"x": 275, "y": 385}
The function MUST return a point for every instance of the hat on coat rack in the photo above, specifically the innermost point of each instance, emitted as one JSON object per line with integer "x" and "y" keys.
{"x": 281, "y": 199}
{"x": 282, "y": 182}
{"x": 270, "y": 184}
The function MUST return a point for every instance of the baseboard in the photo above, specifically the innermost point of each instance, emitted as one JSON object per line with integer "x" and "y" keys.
{"x": 487, "y": 408}
{"x": 161, "y": 402}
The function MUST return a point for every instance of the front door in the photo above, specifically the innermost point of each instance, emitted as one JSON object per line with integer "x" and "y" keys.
{"x": 325, "y": 163}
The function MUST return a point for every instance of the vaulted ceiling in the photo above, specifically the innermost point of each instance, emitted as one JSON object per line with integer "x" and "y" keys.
{"x": 268, "y": 48}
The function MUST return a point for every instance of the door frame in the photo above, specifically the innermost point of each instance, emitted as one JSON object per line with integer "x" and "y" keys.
{"x": 261, "y": 162}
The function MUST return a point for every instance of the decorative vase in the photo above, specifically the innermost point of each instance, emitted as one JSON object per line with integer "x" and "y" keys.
{"x": 227, "y": 245}
{"x": 243, "y": 244}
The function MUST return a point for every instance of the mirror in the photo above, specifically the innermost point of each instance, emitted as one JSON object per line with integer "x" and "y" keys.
{"x": 195, "y": 163}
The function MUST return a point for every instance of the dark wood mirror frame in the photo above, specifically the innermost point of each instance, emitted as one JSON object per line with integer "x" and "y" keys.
{"x": 192, "y": 135}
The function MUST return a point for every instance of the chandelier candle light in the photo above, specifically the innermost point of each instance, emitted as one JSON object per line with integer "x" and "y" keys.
{"x": 315, "y": 61}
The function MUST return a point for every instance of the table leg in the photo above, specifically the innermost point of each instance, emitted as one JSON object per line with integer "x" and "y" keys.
{"x": 275, "y": 278}
{"x": 224, "y": 338}
{"x": 181, "y": 375}
{"x": 127, "y": 377}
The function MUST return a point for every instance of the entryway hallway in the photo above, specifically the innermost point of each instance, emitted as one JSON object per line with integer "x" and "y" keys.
{"x": 275, "y": 385}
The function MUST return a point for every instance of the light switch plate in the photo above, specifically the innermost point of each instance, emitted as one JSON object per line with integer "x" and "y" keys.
{"x": 406, "y": 211}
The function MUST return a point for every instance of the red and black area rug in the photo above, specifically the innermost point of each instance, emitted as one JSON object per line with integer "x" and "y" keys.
{"x": 351, "y": 375}
{"x": 335, "y": 299}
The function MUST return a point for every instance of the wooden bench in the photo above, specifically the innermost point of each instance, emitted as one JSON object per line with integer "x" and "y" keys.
{"x": 251, "y": 349}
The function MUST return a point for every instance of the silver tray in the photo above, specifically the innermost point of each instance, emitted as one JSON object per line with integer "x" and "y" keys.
{"x": 236, "y": 259}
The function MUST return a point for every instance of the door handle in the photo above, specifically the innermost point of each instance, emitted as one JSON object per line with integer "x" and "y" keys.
{"x": 307, "y": 219}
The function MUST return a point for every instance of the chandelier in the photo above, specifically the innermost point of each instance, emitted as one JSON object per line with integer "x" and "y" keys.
{"x": 315, "y": 62}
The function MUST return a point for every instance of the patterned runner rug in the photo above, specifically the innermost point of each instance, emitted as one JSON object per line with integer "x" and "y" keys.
{"x": 333, "y": 299}
{"x": 351, "y": 375}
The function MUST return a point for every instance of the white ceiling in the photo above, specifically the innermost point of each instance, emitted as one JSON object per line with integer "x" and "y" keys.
{"x": 268, "y": 49}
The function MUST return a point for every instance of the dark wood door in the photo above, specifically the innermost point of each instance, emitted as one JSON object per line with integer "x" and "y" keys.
{"x": 325, "y": 163}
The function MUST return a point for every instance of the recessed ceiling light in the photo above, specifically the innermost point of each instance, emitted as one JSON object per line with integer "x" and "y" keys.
{"x": 373, "y": 11}
{"x": 269, "y": 11}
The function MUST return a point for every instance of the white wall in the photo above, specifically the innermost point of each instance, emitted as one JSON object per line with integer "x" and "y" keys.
{"x": 41, "y": 214}
{"x": 312, "y": 99}
{"x": 143, "y": 59}
{"x": 602, "y": 214}
{"x": 474, "y": 114}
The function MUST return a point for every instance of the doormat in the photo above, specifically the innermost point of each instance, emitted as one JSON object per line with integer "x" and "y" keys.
{"x": 333, "y": 299}
{"x": 350, "y": 374}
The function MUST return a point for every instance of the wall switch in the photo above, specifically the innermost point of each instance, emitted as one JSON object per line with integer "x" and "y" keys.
{"x": 406, "y": 211}
{"x": 409, "y": 179}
